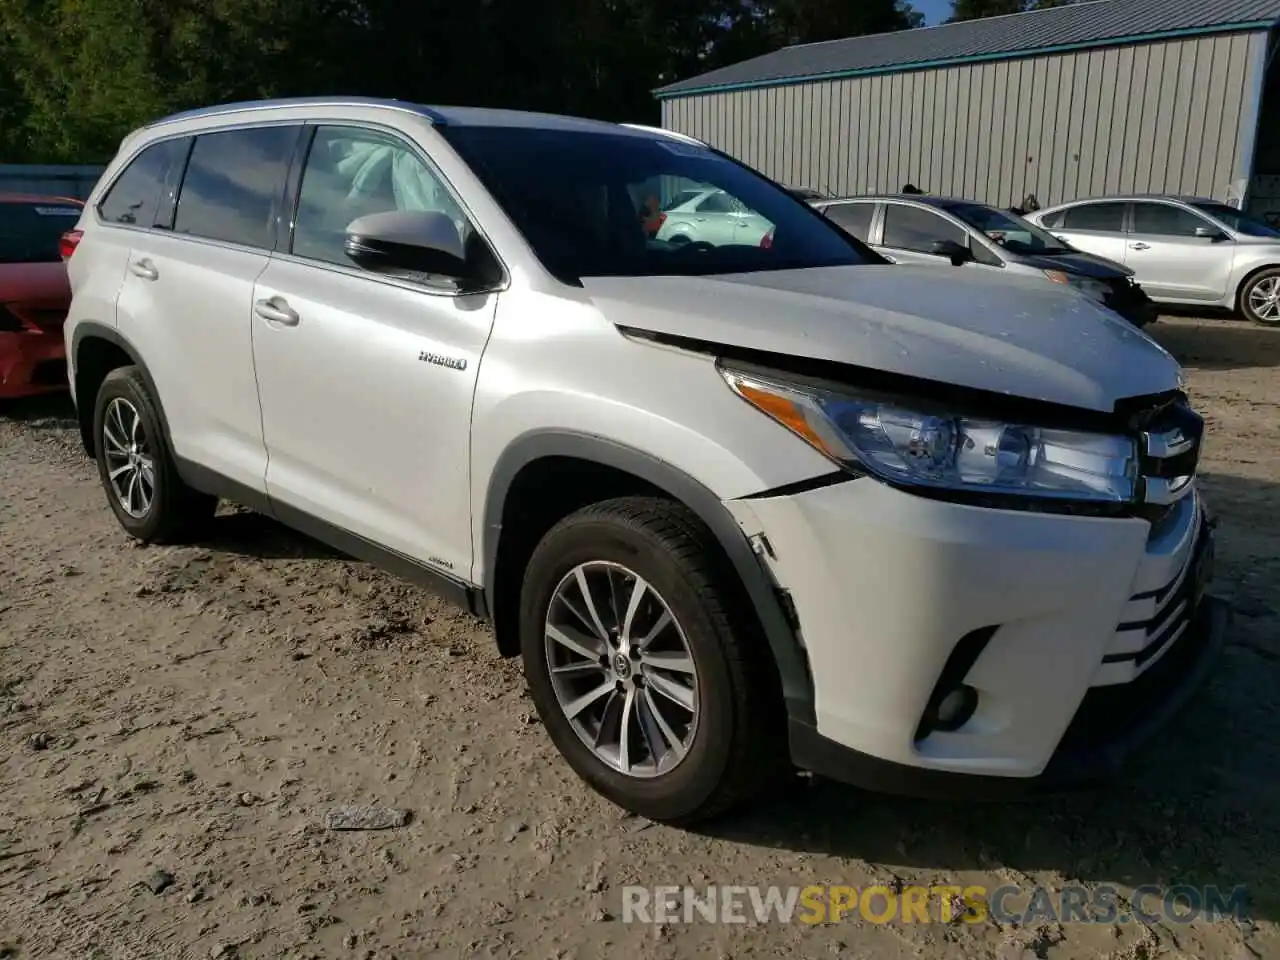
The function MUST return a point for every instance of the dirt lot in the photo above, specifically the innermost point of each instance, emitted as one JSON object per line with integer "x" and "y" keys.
{"x": 188, "y": 715}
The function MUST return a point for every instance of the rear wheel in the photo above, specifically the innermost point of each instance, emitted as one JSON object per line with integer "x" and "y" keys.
{"x": 1260, "y": 297}
{"x": 657, "y": 692}
{"x": 144, "y": 490}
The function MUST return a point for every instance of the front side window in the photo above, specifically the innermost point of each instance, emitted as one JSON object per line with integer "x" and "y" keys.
{"x": 913, "y": 228}
{"x": 583, "y": 199}
{"x": 134, "y": 198}
{"x": 854, "y": 217}
{"x": 29, "y": 232}
{"x": 233, "y": 184}
{"x": 1237, "y": 220}
{"x": 352, "y": 172}
{"x": 1165, "y": 220}
{"x": 1098, "y": 217}
{"x": 1008, "y": 229}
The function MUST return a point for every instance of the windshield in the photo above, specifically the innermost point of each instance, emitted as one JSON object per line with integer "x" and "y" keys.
{"x": 1236, "y": 220}
{"x": 588, "y": 204}
{"x": 29, "y": 232}
{"x": 1009, "y": 230}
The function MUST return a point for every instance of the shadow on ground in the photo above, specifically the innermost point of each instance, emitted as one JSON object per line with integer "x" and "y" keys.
{"x": 52, "y": 411}
{"x": 1218, "y": 343}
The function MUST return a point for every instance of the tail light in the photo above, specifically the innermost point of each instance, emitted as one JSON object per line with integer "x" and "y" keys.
{"x": 766, "y": 242}
{"x": 68, "y": 242}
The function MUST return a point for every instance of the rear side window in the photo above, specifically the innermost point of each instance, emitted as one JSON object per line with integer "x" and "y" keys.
{"x": 29, "y": 232}
{"x": 1102, "y": 217}
{"x": 854, "y": 217}
{"x": 233, "y": 185}
{"x": 910, "y": 228}
{"x": 135, "y": 196}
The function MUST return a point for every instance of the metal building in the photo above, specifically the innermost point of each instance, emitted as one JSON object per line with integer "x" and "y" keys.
{"x": 1095, "y": 98}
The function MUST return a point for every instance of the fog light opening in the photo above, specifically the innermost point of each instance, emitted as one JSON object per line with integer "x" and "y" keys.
{"x": 955, "y": 709}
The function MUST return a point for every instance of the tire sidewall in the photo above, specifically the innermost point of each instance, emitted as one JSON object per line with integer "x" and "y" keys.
{"x": 1246, "y": 309}
{"x": 582, "y": 540}
{"x": 123, "y": 384}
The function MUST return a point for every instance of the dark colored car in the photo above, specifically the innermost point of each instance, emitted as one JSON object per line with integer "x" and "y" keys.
{"x": 34, "y": 293}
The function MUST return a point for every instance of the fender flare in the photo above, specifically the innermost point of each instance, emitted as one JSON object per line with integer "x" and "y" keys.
{"x": 788, "y": 653}
{"x": 101, "y": 331}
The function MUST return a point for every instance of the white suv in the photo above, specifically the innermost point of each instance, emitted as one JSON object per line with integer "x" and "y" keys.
{"x": 734, "y": 504}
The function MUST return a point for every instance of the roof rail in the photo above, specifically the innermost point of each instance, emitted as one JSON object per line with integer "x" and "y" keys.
{"x": 252, "y": 106}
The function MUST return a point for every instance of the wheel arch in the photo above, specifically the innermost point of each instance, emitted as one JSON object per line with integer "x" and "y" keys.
{"x": 1237, "y": 300}
{"x": 96, "y": 350}
{"x": 536, "y": 451}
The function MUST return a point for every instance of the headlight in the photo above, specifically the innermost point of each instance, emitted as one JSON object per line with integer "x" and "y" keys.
{"x": 1086, "y": 285}
{"x": 916, "y": 448}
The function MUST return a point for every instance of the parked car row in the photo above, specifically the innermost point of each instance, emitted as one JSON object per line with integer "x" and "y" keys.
{"x": 744, "y": 495}
{"x": 930, "y": 230}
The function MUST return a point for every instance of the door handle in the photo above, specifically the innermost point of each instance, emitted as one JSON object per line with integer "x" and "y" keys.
{"x": 1140, "y": 246}
{"x": 275, "y": 310}
{"x": 145, "y": 269}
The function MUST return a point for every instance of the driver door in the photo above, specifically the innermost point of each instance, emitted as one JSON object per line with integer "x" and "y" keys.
{"x": 366, "y": 381}
{"x": 909, "y": 233}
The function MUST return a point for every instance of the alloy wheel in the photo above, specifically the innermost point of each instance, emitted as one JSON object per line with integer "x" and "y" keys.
{"x": 131, "y": 465}
{"x": 622, "y": 669}
{"x": 1264, "y": 299}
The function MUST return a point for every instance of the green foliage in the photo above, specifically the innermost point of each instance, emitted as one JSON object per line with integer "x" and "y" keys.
{"x": 78, "y": 75}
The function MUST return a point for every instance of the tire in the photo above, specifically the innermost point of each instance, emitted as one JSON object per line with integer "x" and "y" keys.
{"x": 735, "y": 740}
{"x": 1264, "y": 280}
{"x": 174, "y": 512}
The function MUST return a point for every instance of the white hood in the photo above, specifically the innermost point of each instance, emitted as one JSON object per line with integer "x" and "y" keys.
{"x": 1020, "y": 336}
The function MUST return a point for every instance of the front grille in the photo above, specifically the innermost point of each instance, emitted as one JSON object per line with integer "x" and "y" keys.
{"x": 1169, "y": 439}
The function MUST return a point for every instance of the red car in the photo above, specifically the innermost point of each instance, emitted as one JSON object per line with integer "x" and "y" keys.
{"x": 34, "y": 293}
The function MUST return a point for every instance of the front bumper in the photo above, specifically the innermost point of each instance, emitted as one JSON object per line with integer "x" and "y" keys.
{"x": 1093, "y": 633}
{"x": 1132, "y": 302}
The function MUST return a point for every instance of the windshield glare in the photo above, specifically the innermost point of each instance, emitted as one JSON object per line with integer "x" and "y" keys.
{"x": 1237, "y": 221}
{"x": 630, "y": 205}
{"x": 1009, "y": 230}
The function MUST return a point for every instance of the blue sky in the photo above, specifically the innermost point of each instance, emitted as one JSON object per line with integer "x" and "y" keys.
{"x": 935, "y": 11}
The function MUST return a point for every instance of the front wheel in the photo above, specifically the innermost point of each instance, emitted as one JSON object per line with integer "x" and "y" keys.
{"x": 1260, "y": 297}
{"x": 654, "y": 687}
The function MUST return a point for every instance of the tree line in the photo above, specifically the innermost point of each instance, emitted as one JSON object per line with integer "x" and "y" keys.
{"x": 77, "y": 75}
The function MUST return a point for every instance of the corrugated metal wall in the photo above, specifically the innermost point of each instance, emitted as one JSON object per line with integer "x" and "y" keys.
{"x": 1158, "y": 117}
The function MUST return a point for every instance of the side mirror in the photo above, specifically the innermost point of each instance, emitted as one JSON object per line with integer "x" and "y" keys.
{"x": 957, "y": 253}
{"x": 413, "y": 241}
{"x": 1211, "y": 233}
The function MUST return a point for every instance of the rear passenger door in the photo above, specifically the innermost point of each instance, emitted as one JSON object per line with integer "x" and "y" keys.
{"x": 1098, "y": 228}
{"x": 186, "y": 301}
{"x": 366, "y": 380}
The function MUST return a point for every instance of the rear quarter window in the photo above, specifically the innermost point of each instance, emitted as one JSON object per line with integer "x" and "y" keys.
{"x": 134, "y": 198}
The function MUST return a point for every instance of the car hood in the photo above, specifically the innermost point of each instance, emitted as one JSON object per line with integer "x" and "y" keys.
{"x": 1077, "y": 261}
{"x": 1011, "y": 335}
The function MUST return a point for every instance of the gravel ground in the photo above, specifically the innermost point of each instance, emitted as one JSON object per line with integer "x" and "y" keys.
{"x": 176, "y": 723}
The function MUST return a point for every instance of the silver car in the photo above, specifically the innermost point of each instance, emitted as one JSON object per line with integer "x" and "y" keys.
{"x": 1189, "y": 251}
{"x": 712, "y": 216}
{"x": 928, "y": 230}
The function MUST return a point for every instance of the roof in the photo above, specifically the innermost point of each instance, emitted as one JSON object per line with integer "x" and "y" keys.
{"x": 440, "y": 116}
{"x": 1058, "y": 29}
